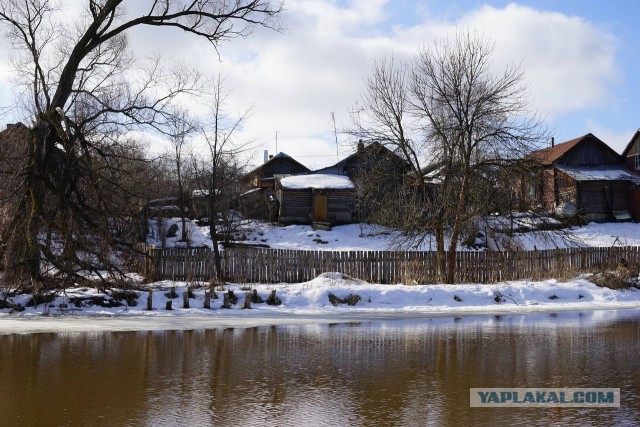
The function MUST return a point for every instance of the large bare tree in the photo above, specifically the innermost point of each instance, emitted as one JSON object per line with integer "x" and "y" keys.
{"x": 463, "y": 128}
{"x": 85, "y": 90}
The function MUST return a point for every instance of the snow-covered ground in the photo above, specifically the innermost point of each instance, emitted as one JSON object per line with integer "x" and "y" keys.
{"x": 308, "y": 303}
{"x": 366, "y": 237}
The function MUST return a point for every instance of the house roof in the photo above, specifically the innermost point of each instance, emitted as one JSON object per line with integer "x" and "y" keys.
{"x": 600, "y": 173}
{"x": 317, "y": 182}
{"x": 276, "y": 157}
{"x": 374, "y": 147}
{"x": 16, "y": 133}
{"x": 547, "y": 156}
{"x": 635, "y": 136}
{"x": 552, "y": 155}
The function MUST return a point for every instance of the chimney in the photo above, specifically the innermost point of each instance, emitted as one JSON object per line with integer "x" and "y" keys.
{"x": 553, "y": 142}
{"x": 360, "y": 145}
{"x": 266, "y": 155}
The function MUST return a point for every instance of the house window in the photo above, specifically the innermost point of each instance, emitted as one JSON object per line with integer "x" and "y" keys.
{"x": 637, "y": 156}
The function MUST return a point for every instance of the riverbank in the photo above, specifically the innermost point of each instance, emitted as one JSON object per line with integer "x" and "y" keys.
{"x": 86, "y": 309}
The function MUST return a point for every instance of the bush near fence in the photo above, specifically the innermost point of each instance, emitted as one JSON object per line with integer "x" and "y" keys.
{"x": 259, "y": 265}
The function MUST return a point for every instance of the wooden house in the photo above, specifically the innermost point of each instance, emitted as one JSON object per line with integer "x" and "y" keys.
{"x": 376, "y": 173}
{"x": 315, "y": 199}
{"x": 631, "y": 155}
{"x": 259, "y": 201}
{"x": 280, "y": 165}
{"x": 588, "y": 173}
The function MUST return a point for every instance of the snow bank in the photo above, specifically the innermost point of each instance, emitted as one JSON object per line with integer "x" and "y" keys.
{"x": 308, "y": 303}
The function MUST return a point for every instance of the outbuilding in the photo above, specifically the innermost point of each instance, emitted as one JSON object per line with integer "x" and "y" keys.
{"x": 317, "y": 198}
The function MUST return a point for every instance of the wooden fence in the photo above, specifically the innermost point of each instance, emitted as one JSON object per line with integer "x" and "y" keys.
{"x": 258, "y": 265}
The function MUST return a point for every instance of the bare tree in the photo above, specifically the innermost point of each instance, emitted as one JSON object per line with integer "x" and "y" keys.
{"x": 219, "y": 172}
{"x": 463, "y": 129}
{"x": 84, "y": 94}
{"x": 181, "y": 128}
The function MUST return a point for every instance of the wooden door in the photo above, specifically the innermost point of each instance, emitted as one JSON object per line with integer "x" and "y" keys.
{"x": 320, "y": 208}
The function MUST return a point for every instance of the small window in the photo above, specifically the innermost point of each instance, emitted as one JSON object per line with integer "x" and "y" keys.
{"x": 637, "y": 156}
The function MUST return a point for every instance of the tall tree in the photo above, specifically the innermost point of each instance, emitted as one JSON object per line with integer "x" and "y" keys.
{"x": 219, "y": 171}
{"x": 84, "y": 95}
{"x": 461, "y": 126}
{"x": 181, "y": 128}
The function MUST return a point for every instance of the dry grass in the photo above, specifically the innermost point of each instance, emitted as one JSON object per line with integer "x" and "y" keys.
{"x": 623, "y": 277}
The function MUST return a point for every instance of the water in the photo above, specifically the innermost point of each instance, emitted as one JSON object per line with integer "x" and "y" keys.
{"x": 413, "y": 372}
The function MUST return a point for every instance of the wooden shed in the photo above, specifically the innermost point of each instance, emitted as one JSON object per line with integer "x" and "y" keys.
{"x": 588, "y": 173}
{"x": 318, "y": 198}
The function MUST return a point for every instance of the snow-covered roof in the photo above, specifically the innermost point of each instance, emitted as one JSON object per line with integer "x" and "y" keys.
{"x": 253, "y": 190}
{"x": 316, "y": 181}
{"x": 600, "y": 173}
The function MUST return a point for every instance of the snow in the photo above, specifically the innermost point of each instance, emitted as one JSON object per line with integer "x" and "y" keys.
{"x": 367, "y": 237}
{"x": 600, "y": 173}
{"x": 349, "y": 237}
{"x": 591, "y": 235}
{"x": 317, "y": 182}
{"x": 308, "y": 303}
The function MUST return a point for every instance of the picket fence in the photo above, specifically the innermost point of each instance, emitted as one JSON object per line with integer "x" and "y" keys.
{"x": 260, "y": 265}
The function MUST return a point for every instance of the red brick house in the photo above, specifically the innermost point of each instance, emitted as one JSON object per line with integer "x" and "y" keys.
{"x": 631, "y": 156}
{"x": 588, "y": 173}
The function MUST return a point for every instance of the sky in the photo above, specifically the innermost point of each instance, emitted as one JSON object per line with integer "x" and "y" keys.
{"x": 580, "y": 60}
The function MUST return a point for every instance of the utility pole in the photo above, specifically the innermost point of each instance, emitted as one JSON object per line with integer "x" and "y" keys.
{"x": 335, "y": 134}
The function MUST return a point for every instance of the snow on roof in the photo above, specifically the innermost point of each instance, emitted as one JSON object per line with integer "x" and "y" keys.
{"x": 316, "y": 181}
{"x": 600, "y": 173}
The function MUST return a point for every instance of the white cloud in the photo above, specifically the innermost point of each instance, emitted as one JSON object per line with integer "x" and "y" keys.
{"x": 568, "y": 61}
{"x": 295, "y": 79}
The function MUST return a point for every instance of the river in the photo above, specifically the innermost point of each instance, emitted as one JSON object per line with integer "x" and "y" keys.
{"x": 399, "y": 372}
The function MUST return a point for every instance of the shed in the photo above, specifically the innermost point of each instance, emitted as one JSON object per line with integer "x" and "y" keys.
{"x": 318, "y": 198}
{"x": 631, "y": 155}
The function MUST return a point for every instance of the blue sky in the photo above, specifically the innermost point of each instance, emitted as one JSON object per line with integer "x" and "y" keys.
{"x": 581, "y": 60}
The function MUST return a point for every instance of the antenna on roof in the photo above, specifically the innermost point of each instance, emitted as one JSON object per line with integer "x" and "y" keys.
{"x": 335, "y": 133}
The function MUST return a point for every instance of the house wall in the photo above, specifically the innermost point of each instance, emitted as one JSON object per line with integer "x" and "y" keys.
{"x": 598, "y": 199}
{"x": 295, "y": 206}
{"x": 634, "y": 202}
{"x": 341, "y": 205}
{"x": 630, "y": 160}
{"x": 544, "y": 193}
{"x": 567, "y": 188}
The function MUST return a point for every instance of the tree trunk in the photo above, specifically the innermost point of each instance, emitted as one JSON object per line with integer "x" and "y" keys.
{"x": 457, "y": 226}
{"x": 217, "y": 258}
{"x": 441, "y": 259}
{"x": 22, "y": 254}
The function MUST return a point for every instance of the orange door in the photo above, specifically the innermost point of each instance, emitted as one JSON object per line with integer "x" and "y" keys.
{"x": 320, "y": 208}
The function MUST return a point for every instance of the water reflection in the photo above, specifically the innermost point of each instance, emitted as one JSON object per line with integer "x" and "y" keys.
{"x": 412, "y": 372}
